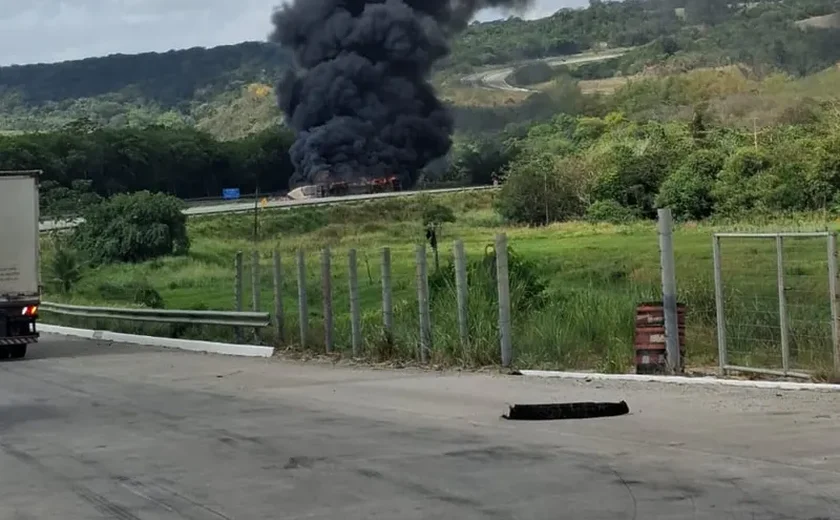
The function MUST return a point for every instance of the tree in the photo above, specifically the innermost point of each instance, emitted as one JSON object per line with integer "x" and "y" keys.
{"x": 133, "y": 228}
{"x": 540, "y": 189}
{"x": 688, "y": 191}
{"x": 743, "y": 183}
{"x": 630, "y": 178}
{"x": 481, "y": 161}
{"x": 80, "y": 167}
{"x": 64, "y": 268}
{"x": 706, "y": 11}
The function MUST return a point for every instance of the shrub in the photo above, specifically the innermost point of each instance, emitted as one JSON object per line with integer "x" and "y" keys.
{"x": 688, "y": 191}
{"x": 64, "y": 268}
{"x": 133, "y": 228}
{"x": 610, "y": 211}
{"x": 137, "y": 292}
{"x": 58, "y": 200}
{"x": 743, "y": 183}
{"x": 541, "y": 189}
{"x": 527, "y": 286}
{"x": 478, "y": 163}
{"x": 436, "y": 215}
{"x": 631, "y": 176}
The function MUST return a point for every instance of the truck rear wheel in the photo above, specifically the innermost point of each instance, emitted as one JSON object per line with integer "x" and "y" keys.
{"x": 17, "y": 351}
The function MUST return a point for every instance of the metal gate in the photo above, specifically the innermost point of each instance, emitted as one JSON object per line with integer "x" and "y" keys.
{"x": 776, "y": 303}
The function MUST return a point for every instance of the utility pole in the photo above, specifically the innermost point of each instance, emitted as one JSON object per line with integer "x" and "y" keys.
{"x": 256, "y": 210}
{"x": 545, "y": 195}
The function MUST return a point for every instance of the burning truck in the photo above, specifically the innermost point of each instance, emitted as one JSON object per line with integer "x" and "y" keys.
{"x": 362, "y": 186}
{"x": 340, "y": 188}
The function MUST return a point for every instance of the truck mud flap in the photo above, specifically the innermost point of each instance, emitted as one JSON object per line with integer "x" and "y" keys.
{"x": 18, "y": 340}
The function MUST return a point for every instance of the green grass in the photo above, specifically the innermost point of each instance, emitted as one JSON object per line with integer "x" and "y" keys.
{"x": 595, "y": 276}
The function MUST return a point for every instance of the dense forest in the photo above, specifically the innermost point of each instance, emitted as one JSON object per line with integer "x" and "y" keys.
{"x": 214, "y": 89}
{"x": 168, "y": 79}
{"x": 182, "y": 162}
{"x": 614, "y": 169}
{"x": 624, "y": 151}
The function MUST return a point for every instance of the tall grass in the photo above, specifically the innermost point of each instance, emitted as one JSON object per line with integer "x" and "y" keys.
{"x": 590, "y": 279}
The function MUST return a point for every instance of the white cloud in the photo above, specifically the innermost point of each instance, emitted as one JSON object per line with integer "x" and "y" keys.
{"x": 55, "y": 30}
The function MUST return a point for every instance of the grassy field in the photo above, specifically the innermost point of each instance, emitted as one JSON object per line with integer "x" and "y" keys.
{"x": 594, "y": 275}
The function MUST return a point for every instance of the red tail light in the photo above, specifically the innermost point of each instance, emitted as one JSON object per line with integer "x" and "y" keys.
{"x": 30, "y": 310}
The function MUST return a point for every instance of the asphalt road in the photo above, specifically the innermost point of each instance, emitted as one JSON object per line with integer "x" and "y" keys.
{"x": 241, "y": 206}
{"x": 496, "y": 79}
{"x": 102, "y": 431}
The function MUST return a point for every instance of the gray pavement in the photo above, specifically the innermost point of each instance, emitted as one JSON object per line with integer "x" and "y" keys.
{"x": 496, "y": 79}
{"x": 93, "y": 431}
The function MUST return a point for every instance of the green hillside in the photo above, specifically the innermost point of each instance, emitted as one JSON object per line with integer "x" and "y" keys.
{"x": 226, "y": 90}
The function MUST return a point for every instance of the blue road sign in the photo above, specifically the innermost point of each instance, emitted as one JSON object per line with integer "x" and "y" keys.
{"x": 230, "y": 193}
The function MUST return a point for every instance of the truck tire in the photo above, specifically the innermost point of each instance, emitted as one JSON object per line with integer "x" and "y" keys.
{"x": 17, "y": 352}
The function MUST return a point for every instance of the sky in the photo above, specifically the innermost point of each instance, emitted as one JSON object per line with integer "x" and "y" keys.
{"x": 44, "y": 31}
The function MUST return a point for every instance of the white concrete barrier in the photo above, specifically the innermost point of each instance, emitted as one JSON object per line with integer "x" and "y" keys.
{"x": 209, "y": 347}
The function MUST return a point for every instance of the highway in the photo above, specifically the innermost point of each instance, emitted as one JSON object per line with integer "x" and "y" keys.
{"x": 496, "y": 79}
{"x": 245, "y": 206}
{"x": 101, "y": 431}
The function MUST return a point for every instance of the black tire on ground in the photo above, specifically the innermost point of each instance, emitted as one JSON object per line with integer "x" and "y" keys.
{"x": 555, "y": 411}
{"x": 4, "y": 352}
{"x": 17, "y": 352}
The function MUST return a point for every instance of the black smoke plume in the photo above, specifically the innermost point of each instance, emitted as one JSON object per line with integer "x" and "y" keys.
{"x": 359, "y": 97}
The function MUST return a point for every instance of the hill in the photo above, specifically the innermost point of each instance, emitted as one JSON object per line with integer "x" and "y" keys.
{"x": 226, "y": 90}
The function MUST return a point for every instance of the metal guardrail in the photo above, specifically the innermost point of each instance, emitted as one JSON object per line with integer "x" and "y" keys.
{"x": 221, "y": 318}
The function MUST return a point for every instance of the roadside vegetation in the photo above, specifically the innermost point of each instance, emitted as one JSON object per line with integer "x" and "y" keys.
{"x": 575, "y": 284}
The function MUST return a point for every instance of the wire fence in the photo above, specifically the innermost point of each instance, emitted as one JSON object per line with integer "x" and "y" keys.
{"x": 387, "y": 304}
{"x": 768, "y": 302}
{"x": 776, "y": 297}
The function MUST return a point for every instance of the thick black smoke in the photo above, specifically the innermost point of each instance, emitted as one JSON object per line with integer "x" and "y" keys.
{"x": 359, "y": 98}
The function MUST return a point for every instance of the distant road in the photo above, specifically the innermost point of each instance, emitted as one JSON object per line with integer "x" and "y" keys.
{"x": 496, "y": 79}
{"x": 242, "y": 206}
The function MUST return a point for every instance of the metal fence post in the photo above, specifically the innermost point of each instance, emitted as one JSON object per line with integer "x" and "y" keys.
{"x": 461, "y": 290}
{"x": 255, "y": 288}
{"x": 669, "y": 290}
{"x": 302, "y": 307}
{"x": 237, "y": 291}
{"x": 783, "y": 317}
{"x": 832, "y": 286}
{"x": 423, "y": 302}
{"x": 387, "y": 305}
{"x": 326, "y": 289}
{"x": 503, "y": 287}
{"x": 355, "y": 311}
{"x": 279, "y": 325}
{"x": 719, "y": 310}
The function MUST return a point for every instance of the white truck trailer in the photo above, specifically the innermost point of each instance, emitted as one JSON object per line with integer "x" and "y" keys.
{"x": 20, "y": 277}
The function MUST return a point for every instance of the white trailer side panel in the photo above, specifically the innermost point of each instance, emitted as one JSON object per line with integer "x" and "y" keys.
{"x": 20, "y": 276}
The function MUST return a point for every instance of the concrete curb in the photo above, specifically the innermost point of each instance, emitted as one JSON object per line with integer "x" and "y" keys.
{"x": 677, "y": 380}
{"x": 209, "y": 347}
